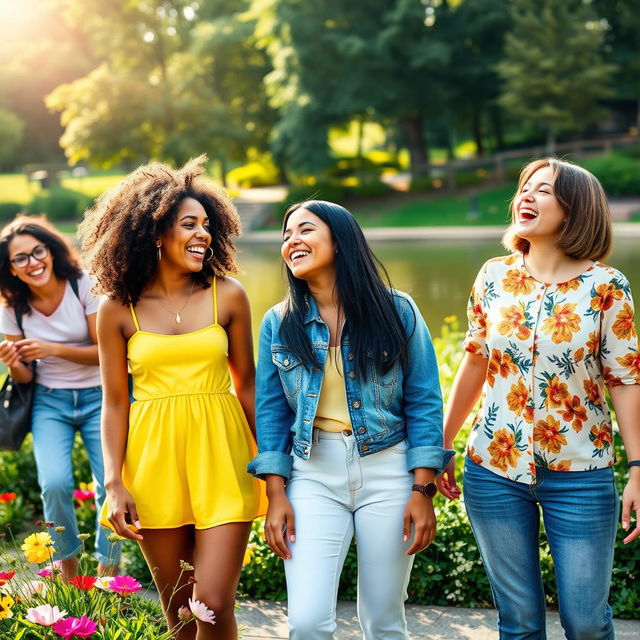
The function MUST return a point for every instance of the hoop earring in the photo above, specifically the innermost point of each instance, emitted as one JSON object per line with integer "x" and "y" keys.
{"x": 209, "y": 259}
{"x": 159, "y": 253}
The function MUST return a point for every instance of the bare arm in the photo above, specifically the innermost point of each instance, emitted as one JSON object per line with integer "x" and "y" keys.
{"x": 626, "y": 402}
{"x": 241, "y": 362}
{"x": 465, "y": 392}
{"x": 32, "y": 349}
{"x": 10, "y": 356}
{"x": 115, "y": 414}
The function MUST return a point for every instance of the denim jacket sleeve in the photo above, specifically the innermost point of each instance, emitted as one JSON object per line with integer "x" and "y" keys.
{"x": 274, "y": 416}
{"x": 421, "y": 393}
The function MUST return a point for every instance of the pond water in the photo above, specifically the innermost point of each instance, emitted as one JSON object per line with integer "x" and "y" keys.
{"x": 437, "y": 274}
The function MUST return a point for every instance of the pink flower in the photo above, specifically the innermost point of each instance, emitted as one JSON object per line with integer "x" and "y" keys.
{"x": 184, "y": 615}
{"x": 83, "y": 496}
{"x": 52, "y": 571}
{"x": 75, "y": 627}
{"x": 124, "y": 585}
{"x": 45, "y": 615}
{"x": 201, "y": 611}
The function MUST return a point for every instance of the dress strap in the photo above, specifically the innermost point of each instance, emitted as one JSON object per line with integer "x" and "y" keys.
{"x": 135, "y": 318}
{"x": 215, "y": 300}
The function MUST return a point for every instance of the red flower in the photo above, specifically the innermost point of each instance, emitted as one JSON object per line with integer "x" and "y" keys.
{"x": 5, "y": 576}
{"x": 9, "y": 496}
{"x": 84, "y": 583}
{"x": 83, "y": 496}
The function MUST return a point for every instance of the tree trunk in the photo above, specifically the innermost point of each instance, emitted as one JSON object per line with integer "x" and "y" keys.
{"x": 495, "y": 117}
{"x": 550, "y": 147}
{"x": 223, "y": 170}
{"x": 416, "y": 142}
{"x": 477, "y": 132}
{"x": 359, "y": 141}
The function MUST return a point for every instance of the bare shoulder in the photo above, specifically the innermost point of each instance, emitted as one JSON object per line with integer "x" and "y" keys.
{"x": 231, "y": 290}
{"x": 112, "y": 313}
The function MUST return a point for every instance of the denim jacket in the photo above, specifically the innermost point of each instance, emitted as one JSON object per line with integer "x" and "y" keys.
{"x": 403, "y": 403}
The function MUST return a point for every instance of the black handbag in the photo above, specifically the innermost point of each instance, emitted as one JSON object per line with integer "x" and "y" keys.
{"x": 15, "y": 408}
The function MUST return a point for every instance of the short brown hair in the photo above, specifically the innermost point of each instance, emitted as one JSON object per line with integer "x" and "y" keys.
{"x": 587, "y": 232}
{"x": 120, "y": 231}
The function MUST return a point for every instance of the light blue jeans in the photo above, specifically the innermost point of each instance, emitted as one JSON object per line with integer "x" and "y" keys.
{"x": 580, "y": 513}
{"x": 57, "y": 415}
{"x": 334, "y": 494}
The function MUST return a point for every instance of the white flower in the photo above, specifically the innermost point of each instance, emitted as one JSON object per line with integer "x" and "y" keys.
{"x": 103, "y": 583}
{"x": 201, "y": 611}
{"x": 45, "y": 615}
{"x": 35, "y": 587}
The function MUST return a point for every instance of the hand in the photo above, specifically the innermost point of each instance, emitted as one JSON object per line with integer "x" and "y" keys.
{"x": 446, "y": 482}
{"x": 9, "y": 354}
{"x": 32, "y": 349}
{"x": 280, "y": 524}
{"x": 631, "y": 502}
{"x": 419, "y": 511}
{"x": 122, "y": 513}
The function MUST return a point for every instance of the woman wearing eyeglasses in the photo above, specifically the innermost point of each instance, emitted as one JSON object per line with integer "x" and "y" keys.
{"x": 49, "y": 316}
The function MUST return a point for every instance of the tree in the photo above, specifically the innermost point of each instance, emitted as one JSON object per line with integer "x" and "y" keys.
{"x": 173, "y": 83}
{"x": 11, "y": 130}
{"x": 553, "y": 72}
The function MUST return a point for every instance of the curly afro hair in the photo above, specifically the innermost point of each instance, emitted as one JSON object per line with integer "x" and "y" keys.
{"x": 119, "y": 233}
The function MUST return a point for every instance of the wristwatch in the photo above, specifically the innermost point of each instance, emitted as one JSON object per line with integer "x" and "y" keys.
{"x": 428, "y": 489}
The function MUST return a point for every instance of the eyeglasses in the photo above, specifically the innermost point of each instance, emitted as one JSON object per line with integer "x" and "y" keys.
{"x": 21, "y": 260}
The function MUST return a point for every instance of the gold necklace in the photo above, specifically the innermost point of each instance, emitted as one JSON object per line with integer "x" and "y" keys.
{"x": 179, "y": 311}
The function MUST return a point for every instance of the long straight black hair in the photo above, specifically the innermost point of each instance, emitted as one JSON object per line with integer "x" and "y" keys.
{"x": 372, "y": 322}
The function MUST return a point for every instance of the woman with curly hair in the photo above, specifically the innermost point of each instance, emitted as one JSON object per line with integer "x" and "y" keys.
{"x": 159, "y": 245}
{"x": 49, "y": 317}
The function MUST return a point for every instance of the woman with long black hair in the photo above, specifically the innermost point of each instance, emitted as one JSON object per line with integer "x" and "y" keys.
{"x": 349, "y": 423}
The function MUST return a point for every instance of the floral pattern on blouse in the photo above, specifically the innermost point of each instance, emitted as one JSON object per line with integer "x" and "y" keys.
{"x": 552, "y": 349}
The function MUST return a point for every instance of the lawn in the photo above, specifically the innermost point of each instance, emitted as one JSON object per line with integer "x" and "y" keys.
{"x": 433, "y": 210}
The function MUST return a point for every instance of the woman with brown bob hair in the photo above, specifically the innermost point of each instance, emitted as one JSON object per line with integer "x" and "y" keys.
{"x": 159, "y": 245}
{"x": 551, "y": 329}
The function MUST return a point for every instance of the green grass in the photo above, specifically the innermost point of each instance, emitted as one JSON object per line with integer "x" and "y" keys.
{"x": 435, "y": 211}
{"x": 14, "y": 187}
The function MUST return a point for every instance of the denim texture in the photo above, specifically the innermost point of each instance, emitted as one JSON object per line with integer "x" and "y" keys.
{"x": 403, "y": 403}
{"x": 57, "y": 415}
{"x": 580, "y": 512}
{"x": 337, "y": 494}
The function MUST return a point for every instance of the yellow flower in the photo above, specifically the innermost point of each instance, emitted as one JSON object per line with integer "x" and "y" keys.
{"x": 514, "y": 319}
{"x": 503, "y": 450}
{"x": 518, "y": 398}
{"x": 518, "y": 282}
{"x": 6, "y": 603}
{"x": 624, "y": 326}
{"x": 549, "y": 434}
{"x": 563, "y": 323}
{"x": 248, "y": 554}
{"x": 38, "y": 547}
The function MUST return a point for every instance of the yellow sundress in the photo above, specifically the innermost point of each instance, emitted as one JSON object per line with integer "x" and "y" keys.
{"x": 189, "y": 442}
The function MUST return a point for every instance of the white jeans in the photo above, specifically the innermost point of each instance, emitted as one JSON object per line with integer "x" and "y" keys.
{"x": 335, "y": 494}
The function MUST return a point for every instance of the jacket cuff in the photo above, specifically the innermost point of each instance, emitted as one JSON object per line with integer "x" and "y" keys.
{"x": 271, "y": 462}
{"x": 429, "y": 458}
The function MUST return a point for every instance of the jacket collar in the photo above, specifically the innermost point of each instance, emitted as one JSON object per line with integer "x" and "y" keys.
{"x": 310, "y": 310}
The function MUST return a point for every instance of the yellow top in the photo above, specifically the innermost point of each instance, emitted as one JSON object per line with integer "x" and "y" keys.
{"x": 333, "y": 413}
{"x": 189, "y": 442}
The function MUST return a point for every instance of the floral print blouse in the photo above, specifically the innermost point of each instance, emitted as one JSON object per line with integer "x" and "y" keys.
{"x": 551, "y": 348}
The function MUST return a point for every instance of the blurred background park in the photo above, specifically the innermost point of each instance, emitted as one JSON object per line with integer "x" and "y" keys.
{"x": 412, "y": 113}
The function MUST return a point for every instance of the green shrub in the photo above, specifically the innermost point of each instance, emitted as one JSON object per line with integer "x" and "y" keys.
{"x": 470, "y": 178}
{"x": 319, "y": 191}
{"x": 618, "y": 174}
{"x": 345, "y": 167}
{"x": 421, "y": 184}
{"x": 59, "y": 204}
{"x": 369, "y": 188}
{"x": 253, "y": 174}
{"x": 8, "y": 210}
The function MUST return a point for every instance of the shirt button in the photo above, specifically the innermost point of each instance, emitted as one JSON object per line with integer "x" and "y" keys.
{"x": 306, "y": 452}
{"x": 286, "y": 362}
{"x": 356, "y": 404}
{"x": 350, "y": 356}
{"x": 352, "y": 375}
{"x": 364, "y": 448}
{"x": 347, "y": 432}
{"x": 385, "y": 354}
{"x": 362, "y": 430}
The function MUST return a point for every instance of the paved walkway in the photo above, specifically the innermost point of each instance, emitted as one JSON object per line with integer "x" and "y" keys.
{"x": 262, "y": 619}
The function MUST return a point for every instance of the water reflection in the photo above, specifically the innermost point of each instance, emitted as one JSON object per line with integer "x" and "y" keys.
{"x": 438, "y": 274}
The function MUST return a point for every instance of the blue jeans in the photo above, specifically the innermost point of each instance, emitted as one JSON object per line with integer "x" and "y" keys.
{"x": 335, "y": 494}
{"x": 580, "y": 513}
{"x": 57, "y": 414}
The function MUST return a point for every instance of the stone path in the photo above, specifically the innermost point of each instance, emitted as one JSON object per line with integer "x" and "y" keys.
{"x": 262, "y": 619}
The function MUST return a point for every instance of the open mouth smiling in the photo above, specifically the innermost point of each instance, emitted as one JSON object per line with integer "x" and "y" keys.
{"x": 526, "y": 214}
{"x": 297, "y": 255}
